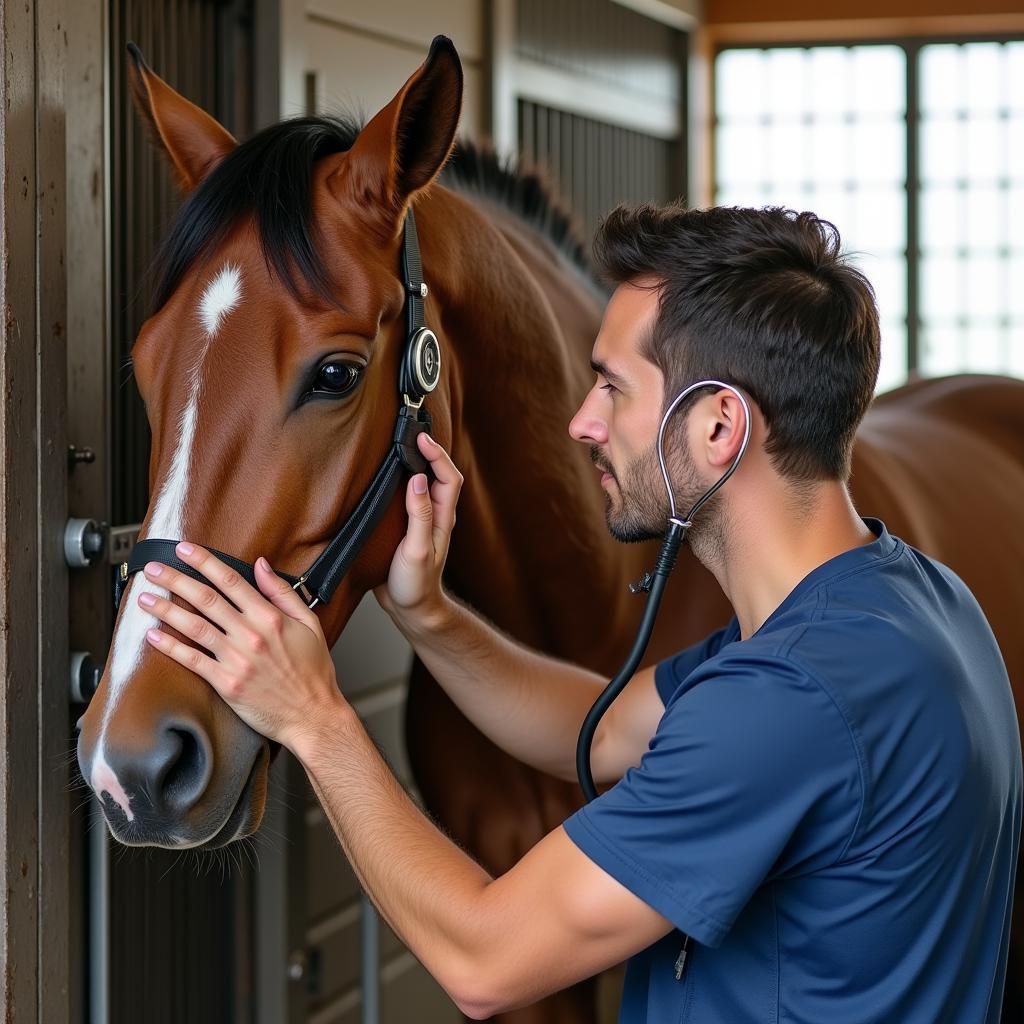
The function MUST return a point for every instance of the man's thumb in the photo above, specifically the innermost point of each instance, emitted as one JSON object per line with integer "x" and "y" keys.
{"x": 419, "y": 497}
{"x": 418, "y": 542}
{"x": 279, "y": 592}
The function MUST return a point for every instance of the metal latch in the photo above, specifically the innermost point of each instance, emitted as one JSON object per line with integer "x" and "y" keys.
{"x": 120, "y": 541}
{"x": 86, "y": 540}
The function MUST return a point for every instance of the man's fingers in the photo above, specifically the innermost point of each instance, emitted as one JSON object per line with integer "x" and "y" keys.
{"x": 280, "y": 593}
{"x": 447, "y": 482}
{"x": 195, "y": 627}
{"x": 223, "y": 577}
{"x": 205, "y": 599}
{"x": 192, "y": 658}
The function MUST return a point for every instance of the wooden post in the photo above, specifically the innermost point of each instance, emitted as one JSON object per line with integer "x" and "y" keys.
{"x": 19, "y": 541}
{"x": 33, "y": 581}
{"x": 54, "y": 725}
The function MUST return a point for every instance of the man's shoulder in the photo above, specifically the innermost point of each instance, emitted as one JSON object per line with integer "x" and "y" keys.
{"x": 758, "y": 691}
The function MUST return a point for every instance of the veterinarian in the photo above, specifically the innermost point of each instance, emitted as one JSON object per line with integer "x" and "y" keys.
{"x": 824, "y": 795}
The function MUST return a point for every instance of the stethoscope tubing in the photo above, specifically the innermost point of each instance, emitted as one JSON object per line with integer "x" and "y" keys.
{"x": 654, "y": 583}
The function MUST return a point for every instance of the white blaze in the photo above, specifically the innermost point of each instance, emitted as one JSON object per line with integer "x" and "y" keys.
{"x": 105, "y": 781}
{"x": 221, "y": 296}
{"x": 167, "y": 522}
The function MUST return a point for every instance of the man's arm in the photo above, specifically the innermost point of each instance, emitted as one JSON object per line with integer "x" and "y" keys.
{"x": 493, "y": 944}
{"x": 529, "y": 704}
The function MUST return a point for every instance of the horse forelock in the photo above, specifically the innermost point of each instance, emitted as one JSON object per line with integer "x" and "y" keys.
{"x": 270, "y": 178}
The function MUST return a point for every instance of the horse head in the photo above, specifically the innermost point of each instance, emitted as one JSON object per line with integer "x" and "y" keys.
{"x": 269, "y": 372}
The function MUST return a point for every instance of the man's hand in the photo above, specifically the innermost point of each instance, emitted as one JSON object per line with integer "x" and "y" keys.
{"x": 413, "y": 590}
{"x": 265, "y": 655}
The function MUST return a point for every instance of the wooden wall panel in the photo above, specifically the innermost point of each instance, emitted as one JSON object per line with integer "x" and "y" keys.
{"x": 360, "y": 72}
{"x": 19, "y": 493}
{"x": 34, "y": 873}
{"x": 718, "y": 12}
{"x": 410, "y": 22}
{"x": 602, "y": 41}
{"x": 56, "y": 718}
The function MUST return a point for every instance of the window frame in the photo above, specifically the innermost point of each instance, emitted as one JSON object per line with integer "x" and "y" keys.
{"x": 911, "y": 44}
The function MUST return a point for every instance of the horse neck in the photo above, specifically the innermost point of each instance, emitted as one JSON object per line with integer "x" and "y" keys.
{"x": 531, "y": 549}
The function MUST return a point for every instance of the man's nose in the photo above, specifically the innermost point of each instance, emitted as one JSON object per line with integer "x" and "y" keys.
{"x": 587, "y": 427}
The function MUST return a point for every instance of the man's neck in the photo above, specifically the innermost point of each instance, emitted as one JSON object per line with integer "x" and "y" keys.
{"x": 768, "y": 547}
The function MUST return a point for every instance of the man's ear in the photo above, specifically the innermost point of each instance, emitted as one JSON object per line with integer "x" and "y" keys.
{"x": 728, "y": 424}
{"x": 193, "y": 141}
{"x": 405, "y": 145}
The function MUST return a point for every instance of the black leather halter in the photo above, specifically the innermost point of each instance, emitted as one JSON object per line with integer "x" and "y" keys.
{"x": 420, "y": 370}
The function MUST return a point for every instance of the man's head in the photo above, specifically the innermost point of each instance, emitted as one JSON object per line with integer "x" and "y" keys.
{"x": 761, "y": 299}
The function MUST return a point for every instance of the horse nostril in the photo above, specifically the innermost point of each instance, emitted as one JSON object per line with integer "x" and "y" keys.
{"x": 187, "y": 775}
{"x": 177, "y": 770}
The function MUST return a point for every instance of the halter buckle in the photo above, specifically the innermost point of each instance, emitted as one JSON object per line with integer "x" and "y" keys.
{"x": 410, "y": 404}
{"x": 305, "y": 593}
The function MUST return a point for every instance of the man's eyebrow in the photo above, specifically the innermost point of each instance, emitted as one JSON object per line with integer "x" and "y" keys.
{"x": 608, "y": 373}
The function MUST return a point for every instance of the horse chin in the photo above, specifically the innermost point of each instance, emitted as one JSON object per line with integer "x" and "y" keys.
{"x": 241, "y": 822}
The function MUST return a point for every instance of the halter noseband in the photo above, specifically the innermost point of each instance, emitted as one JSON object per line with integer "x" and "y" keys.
{"x": 419, "y": 372}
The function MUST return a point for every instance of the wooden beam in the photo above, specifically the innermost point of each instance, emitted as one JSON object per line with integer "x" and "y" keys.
{"x": 53, "y": 947}
{"x": 861, "y": 29}
{"x": 19, "y": 540}
{"x": 610, "y": 104}
{"x": 719, "y": 12}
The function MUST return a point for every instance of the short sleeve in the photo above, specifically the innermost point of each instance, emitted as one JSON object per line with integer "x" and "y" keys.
{"x": 670, "y": 673}
{"x": 752, "y": 773}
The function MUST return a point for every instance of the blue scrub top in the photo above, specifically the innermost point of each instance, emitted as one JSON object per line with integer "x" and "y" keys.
{"x": 831, "y": 808}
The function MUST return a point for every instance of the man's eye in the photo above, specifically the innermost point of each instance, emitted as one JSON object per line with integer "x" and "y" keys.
{"x": 335, "y": 380}
{"x": 610, "y": 388}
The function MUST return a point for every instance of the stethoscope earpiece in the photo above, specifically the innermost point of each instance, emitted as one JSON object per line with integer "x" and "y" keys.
{"x": 673, "y": 405}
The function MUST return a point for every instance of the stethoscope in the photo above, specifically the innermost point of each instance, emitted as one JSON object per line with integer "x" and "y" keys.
{"x": 653, "y": 583}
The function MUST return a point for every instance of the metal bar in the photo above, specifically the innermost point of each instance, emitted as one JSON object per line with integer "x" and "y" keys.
{"x": 369, "y": 943}
{"x": 271, "y": 898}
{"x": 502, "y": 24}
{"x": 99, "y": 918}
{"x": 913, "y": 186}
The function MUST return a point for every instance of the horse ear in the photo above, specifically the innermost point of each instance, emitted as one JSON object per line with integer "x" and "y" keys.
{"x": 405, "y": 145}
{"x": 194, "y": 141}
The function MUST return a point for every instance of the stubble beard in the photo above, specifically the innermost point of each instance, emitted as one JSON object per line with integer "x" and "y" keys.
{"x": 640, "y": 510}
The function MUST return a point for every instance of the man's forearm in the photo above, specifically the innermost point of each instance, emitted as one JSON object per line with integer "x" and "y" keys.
{"x": 427, "y": 889}
{"x": 530, "y": 705}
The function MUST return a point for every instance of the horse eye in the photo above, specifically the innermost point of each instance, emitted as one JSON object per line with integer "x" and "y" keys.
{"x": 336, "y": 379}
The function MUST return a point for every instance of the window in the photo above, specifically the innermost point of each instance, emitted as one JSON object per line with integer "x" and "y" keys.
{"x": 826, "y": 128}
{"x": 972, "y": 207}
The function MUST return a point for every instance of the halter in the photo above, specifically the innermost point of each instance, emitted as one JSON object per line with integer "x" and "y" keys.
{"x": 419, "y": 372}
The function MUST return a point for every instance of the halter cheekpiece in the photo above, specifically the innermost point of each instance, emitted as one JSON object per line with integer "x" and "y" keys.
{"x": 419, "y": 373}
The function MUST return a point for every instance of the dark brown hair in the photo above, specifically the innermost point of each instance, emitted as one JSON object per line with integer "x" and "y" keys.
{"x": 764, "y": 300}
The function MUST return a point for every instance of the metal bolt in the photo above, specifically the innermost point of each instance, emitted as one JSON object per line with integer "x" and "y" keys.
{"x": 76, "y": 455}
{"x": 297, "y": 965}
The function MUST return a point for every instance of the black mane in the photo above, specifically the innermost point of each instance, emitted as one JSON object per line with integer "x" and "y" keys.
{"x": 270, "y": 177}
{"x": 474, "y": 168}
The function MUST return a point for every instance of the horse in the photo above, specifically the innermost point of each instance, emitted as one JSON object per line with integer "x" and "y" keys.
{"x": 269, "y": 370}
